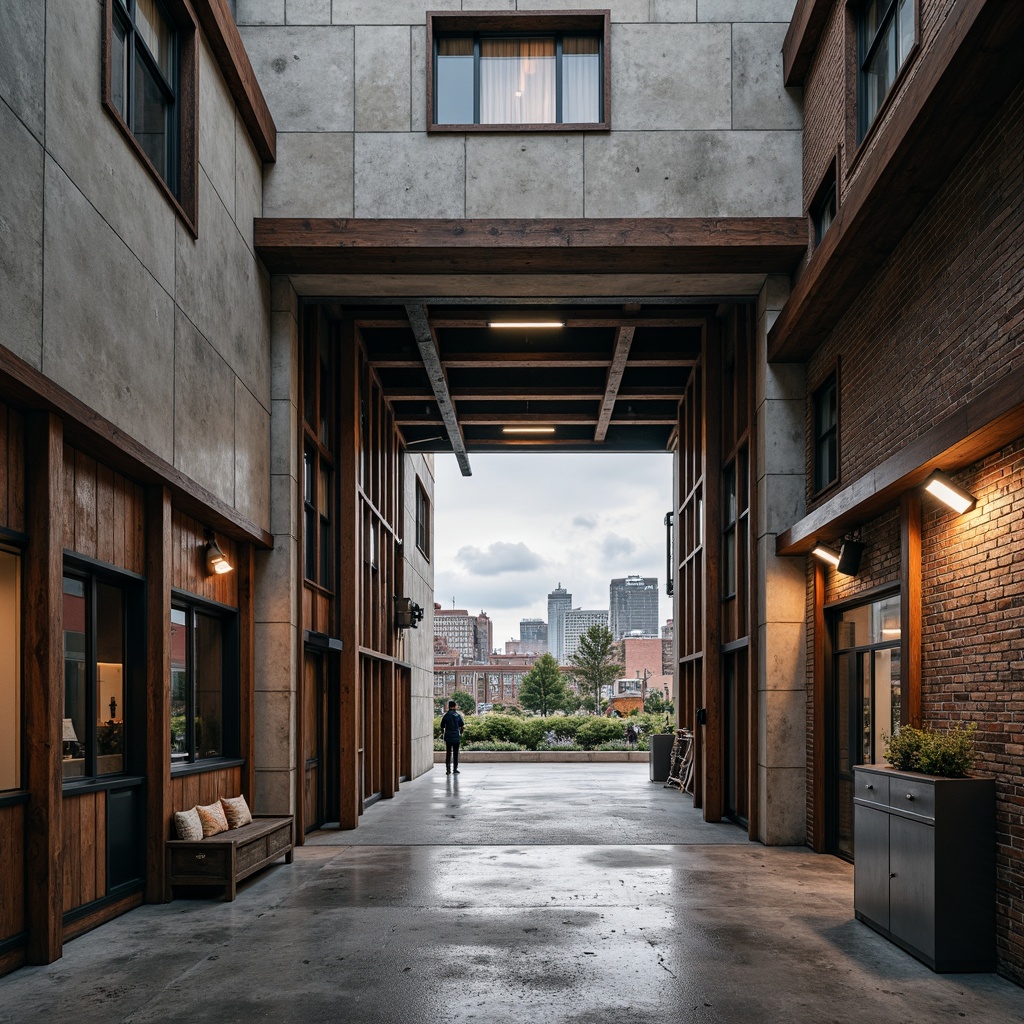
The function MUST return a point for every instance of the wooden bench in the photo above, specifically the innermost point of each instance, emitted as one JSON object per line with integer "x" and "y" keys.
{"x": 227, "y": 858}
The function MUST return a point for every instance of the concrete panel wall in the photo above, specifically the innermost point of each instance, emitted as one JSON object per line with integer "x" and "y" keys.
{"x": 702, "y": 125}
{"x": 165, "y": 335}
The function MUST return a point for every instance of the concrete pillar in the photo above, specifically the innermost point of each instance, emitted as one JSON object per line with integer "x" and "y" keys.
{"x": 781, "y": 587}
{"x": 277, "y": 572}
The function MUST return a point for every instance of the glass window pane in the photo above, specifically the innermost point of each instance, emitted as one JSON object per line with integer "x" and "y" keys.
{"x": 157, "y": 34}
{"x": 110, "y": 720}
{"x": 10, "y": 672}
{"x": 454, "y": 85}
{"x": 152, "y": 116}
{"x": 517, "y": 81}
{"x": 119, "y": 76}
{"x": 581, "y": 80}
{"x": 209, "y": 674}
{"x": 878, "y": 75}
{"x": 179, "y": 685}
{"x": 905, "y": 23}
{"x": 76, "y": 698}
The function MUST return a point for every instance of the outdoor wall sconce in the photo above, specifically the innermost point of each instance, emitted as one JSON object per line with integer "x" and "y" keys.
{"x": 938, "y": 485}
{"x": 825, "y": 554}
{"x": 408, "y": 614}
{"x": 850, "y": 552}
{"x": 216, "y": 561}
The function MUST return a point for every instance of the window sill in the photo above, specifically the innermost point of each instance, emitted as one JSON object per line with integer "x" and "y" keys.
{"x": 504, "y": 129}
{"x": 102, "y": 783}
{"x": 213, "y": 764}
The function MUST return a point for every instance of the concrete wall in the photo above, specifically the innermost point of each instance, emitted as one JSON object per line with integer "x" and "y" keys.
{"x": 102, "y": 287}
{"x": 702, "y": 125}
{"x": 419, "y": 642}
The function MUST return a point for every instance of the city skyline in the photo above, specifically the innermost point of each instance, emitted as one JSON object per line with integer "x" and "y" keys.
{"x": 506, "y": 536}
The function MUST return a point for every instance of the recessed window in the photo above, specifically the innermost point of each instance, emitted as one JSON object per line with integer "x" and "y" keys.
{"x": 422, "y": 520}
{"x": 885, "y": 37}
{"x": 10, "y": 670}
{"x": 826, "y": 433}
{"x": 150, "y": 89}
{"x": 204, "y": 683}
{"x": 518, "y": 70}
{"x": 824, "y": 208}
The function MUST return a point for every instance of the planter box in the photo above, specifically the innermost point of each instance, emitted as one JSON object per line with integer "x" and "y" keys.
{"x": 661, "y": 755}
{"x": 546, "y": 756}
{"x": 924, "y": 865}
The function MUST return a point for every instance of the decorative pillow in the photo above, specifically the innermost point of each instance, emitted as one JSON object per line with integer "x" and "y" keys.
{"x": 187, "y": 824}
{"x": 236, "y": 810}
{"x": 212, "y": 817}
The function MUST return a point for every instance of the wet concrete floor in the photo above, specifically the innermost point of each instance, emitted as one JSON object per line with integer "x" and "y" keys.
{"x": 550, "y": 893}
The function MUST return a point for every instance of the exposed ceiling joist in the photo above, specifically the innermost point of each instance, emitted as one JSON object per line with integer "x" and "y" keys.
{"x": 620, "y": 355}
{"x": 426, "y": 340}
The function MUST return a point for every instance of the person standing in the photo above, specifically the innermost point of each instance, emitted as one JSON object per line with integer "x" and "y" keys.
{"x": 452, "y": 725}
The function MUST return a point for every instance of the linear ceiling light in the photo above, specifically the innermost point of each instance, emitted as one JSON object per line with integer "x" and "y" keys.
{"x": 938, "y": 485}
{"x": 826, "y": 554}
{"x": 527, "y": 430}
{"x": 525, "y": 323}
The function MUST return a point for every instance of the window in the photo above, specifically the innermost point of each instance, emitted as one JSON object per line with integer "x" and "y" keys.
{"x": 10, "y": 670}
{"x": 422, "y": 520}
{"x": 729, "y": 517}
{"x": 204, "y": 682}
{"x": 97, "y": 675}
{"x": 885, "y": 36}
{"x": 825, "y": 206}
{"x": 826, "y": 433}
{"x": 150, "y": 90}
{"x": 518, "y": 70}
{"x": 318, "y": 466}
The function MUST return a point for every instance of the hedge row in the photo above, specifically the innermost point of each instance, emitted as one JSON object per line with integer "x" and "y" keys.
{"x": 557, "y": 732}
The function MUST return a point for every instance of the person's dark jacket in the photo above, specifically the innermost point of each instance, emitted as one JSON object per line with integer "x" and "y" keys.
{"x": 452, "y": 725}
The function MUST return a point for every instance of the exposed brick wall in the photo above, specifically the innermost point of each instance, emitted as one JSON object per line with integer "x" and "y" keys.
{"x": 973, "y": 656}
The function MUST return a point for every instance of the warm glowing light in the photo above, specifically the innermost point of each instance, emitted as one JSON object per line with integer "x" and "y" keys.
{"x": 525, "y": 323}
{"x": 527, "y": 430}
{"x": 826, "y": 554}
{"x": 938, "y": 485}
{"x": 892, "y": 632}
{"x": 216, "y": 560}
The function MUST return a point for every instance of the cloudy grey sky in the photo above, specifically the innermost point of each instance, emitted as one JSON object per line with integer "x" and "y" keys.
{"x": 522, "y": 524}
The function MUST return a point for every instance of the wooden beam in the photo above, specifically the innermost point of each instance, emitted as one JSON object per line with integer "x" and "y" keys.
{"x": 597, "y": 318}
{"x": 700, "y": 245}
{"x": 537, "y": 418}
{"x": 427, "y": 342}
{"x": 818, "y": 836}
{"x": 959, "y": 84}
{"x": 159, "y": 795}
{"x": 910, "y": 608}
{"x": 802, "y": 38}
{"x": 988, "y": 421}
{"x": 613, "y": 381}
{"x": 246, "y": 571}
{"x": 389, "y": 733}
{"x": 43, "y": 694}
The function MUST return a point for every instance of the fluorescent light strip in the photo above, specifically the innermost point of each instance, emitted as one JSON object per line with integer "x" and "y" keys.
{"x": 825, "y": 554}
{"x": 525, "y": 323}
{"x": 527, "y": 430}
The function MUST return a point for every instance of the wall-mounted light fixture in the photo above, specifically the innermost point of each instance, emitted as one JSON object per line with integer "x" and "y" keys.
{"x": 408, "y": 614}
{"x": 850, "y": 552}
{"x": 826, "y": 554}
{"x": 938, "y": 485}
{"x": 216, "y": 561}
{"x": 525, "y": 324}
{"x": 527, "y": 430}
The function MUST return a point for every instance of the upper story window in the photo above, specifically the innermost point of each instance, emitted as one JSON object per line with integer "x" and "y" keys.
{"x": 885, "y": 37}
{"x": 825, "y": 207}
{"x": 422, "y": 520}
{"x": 826, "y": 433}
{"x": 518, "y": 70}
{"x": 150, "y": 89}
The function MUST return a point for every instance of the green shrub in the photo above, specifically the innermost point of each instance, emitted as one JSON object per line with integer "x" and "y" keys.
{"x": 595, "y": 731}
{"x": 949, "y": 753}
{"x": 491, "y": 745}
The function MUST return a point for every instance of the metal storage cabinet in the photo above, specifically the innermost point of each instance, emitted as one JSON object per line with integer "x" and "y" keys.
{"x": 924, "y": 865}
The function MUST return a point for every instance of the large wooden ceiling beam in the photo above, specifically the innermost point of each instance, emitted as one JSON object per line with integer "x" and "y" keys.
{"x": 699, "y": 245}
{"x": 426, "y": 340}
{"x": 451, "y": 320}
{"x": 620, "y": 356}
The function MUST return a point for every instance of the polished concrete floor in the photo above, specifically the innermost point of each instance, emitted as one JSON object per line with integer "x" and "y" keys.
{"x": 510, "y": 893}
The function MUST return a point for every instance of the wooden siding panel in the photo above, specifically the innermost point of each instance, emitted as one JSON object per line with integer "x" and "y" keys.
{"x": 85, "y": 505}
{"x": 84, "y": 849}
{"x": 6, "y": 461}
{"x": 190, "y": 575}
{"x": 12, "y": 879}
{"x": 15, "y": 470}
{"x": 104, "y": 514}
{"x": 204, "y": 787}
{"x": 69, "y": 498}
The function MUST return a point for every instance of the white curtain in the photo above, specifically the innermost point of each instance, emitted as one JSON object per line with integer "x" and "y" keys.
{"x": 581, "y": 80}
{"x": 517, "y": 81}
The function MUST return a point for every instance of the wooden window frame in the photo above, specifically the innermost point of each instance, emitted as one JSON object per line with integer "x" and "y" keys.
{"x": 819, "y": 487}
{"x": 512, "y": 23}
{"x": 182, "y": 192}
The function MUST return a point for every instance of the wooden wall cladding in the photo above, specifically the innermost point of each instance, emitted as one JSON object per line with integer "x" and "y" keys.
{"x": 12, "y": 469}
{"x": 12, "y": 878}
{"x": 188, "y": 547}
{"x": 104, "y": 513}
{"x": 84, "y": 853}
{"x": 204, "y": 788}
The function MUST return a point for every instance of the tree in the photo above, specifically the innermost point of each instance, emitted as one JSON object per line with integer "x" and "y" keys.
{"x": 466, "y": 702}
{"x": 543, "y": 689}
{"x": 655, "y": 702}
{"x": 592, "y": 663}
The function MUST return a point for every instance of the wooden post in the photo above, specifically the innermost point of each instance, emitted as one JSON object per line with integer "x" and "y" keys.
{"x": 159, "y": 566}
{"x": 44, "y": 684}
{"x": 818, "y": 710}
{"x": 910, "y": 607}
{"x": 246, "y": 669}
{"x": 389, "y": 733}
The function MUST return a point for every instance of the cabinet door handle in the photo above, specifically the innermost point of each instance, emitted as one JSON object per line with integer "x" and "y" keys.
{"x": 869, "y": 786}
{"x": 200, "y": 856}
{"x": 910, "y": 796}
{"x": 892, "y": 874}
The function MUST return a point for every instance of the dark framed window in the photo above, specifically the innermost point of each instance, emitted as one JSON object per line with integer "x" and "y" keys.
{"x": 150, "y": 89}
{"x": 422, "y": 520}
{"x": 825, "y": 206}
{"x": 10, "y": 669}
{"x": 318, "y": 480}
{"x": 730, "y": 511}
{"x": 102, "y": 665}
{"x": 826, "y": 433}
{"x": 518, "y": 70}
{"x": 204, "y": 681}
{"x": 886, "y": 33}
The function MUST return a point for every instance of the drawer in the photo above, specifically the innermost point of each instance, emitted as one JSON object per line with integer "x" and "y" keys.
{"x": 913, "y": 796}
{"x": 189, "y": 862}
{"x": 251, "y": 854}
{"x": 872, "y": 788}
{"x": 279, "y": 841}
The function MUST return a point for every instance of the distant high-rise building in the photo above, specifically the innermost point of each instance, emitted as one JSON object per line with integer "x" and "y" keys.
{"x": 559, "y": 602}
{"x": 484, "y": 637}
{"x": 533, "y": 629}
{"x": 633, "y": 606}
{"x": 576, "y": 622}
{"x": 470, "y": 635}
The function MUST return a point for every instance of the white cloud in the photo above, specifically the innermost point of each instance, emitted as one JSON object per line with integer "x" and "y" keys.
{"x": 616, "y": 548}
{"x": 498, "y": 558}
{"x": 585, "y": 522}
